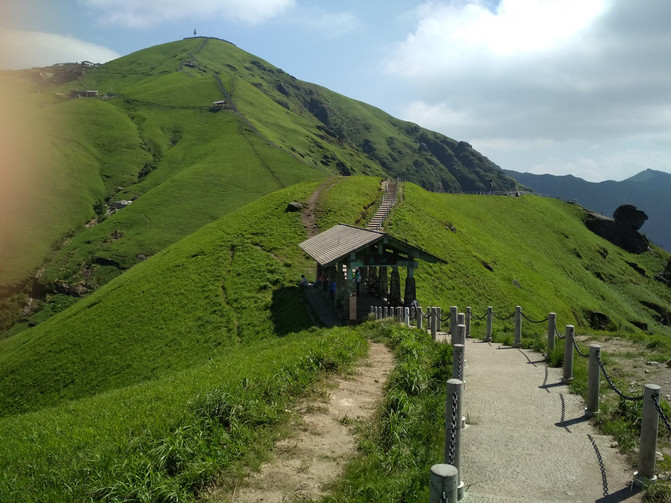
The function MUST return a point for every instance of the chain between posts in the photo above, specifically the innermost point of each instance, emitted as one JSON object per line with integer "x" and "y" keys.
{"x": 575, "y": 345}
{"x": 502, "y": 318}
{"x": 559, "y": 336}
{"x": 655, "y": 401}
{"x": 447, "y": 318}
{"x": 534, "y": 321}
{"x": 613, "y": 387}
{"x": 478, "y": 318}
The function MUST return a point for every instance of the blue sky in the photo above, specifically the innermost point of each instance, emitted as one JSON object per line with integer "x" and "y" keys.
{"x": 578, "y": 87}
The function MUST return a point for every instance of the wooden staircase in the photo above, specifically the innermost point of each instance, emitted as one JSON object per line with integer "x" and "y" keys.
{"x": 389, "y": 199}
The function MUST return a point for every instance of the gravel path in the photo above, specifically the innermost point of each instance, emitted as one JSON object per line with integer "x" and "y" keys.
{"x": 527, "y": 439}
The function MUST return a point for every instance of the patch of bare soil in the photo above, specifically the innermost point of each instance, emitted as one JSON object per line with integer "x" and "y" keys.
{"x": 632, "y": 364}
{"x": 309, "y": 214}
{"x": 321, "y": 441}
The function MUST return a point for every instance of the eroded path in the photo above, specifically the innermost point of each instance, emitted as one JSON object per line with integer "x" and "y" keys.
{"x": 309, "y": 214}
{"x": 322, "y": 440}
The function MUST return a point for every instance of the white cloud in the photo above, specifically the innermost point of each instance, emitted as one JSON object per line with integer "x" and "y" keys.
{"x": 138, "y": 14}
{"x": 26, "y": 49}
{"x": 570, "y": 73}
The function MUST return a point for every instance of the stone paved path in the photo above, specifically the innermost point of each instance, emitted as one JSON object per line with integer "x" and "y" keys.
{"x": 527, "y": 439}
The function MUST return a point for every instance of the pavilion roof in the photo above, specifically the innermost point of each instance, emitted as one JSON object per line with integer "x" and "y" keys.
{"x": 340, "y": 241}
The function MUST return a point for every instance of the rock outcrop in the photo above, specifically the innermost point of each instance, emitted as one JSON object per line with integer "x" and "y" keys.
{"x": 622, "y": 229}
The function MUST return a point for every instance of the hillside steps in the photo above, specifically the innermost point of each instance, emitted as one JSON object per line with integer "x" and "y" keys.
{"x": 388, "y": 201}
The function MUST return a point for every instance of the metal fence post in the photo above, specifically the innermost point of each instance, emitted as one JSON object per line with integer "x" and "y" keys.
{"x": 568, "y": 354}
{"x": 648, "y": 444}
{"x": 453, "y": 426}
{"x": 518, "y": 326}
{"x": 453, "y": 321}
{"x": 552, "y": 327}
{"x": 490, "y": 314}
{"x": 593, "y": 378}
{"x": 444, "y": 484}
{"x": 468, "y": 322}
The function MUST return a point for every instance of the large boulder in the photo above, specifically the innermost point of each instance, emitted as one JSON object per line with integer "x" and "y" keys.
{"x": 629, "y": 215}
{"x": 622, "y": 229}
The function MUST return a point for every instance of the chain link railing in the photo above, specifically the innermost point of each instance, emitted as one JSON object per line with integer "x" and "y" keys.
{"x": 502, "y": 317}
{"x": 575, "y": 345}
{"x": 662, "y": 416}
{"x": 534, "y": 321}
{"x": 612, "y": 384}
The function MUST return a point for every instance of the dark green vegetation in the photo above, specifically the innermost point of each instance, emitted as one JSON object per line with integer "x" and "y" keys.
{"x": 191, "y": 337}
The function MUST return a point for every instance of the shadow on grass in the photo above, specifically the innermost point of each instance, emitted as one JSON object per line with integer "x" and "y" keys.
{"x": 289, "y": 312}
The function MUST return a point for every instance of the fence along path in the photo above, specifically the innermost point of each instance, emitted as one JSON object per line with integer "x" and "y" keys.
{"x": 527, "y": 438}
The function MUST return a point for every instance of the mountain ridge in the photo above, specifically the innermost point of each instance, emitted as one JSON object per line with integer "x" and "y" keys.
{"x": 183, "y": 162}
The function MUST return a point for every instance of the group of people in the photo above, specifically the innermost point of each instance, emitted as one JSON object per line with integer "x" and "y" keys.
{"x": 323, "y": 282}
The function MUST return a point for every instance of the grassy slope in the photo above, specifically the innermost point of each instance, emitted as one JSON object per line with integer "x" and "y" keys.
{"x": 542, "y": 244}
{"x": 49, "y": 190}
{"x": 177, "y": 347}
{"x": 134, "y": 355}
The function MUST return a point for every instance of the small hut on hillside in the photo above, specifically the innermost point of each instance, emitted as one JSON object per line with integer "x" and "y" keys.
{"x": 342, "y": 249}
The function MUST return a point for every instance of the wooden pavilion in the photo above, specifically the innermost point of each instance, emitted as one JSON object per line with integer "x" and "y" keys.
{"x": 342, "y": 249}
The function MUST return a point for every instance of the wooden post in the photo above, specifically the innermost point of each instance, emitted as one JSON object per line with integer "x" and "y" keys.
{"x": 648, "y": 444}
{"x": 552, "y": 328}
{"x": 490, "y": 314}
{"x": 593, "y": 375}
{"x": 568, "y": 354}
{"x": 518, "y": 326}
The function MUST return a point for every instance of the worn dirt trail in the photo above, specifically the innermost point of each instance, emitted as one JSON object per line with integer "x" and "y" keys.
{"x": 322, "y": 439}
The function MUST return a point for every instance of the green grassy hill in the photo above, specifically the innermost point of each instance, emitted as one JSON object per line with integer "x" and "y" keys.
{"x": 153, "y": 138}
{"x": 127, "y": 372}
{"x": 193, "y": 338}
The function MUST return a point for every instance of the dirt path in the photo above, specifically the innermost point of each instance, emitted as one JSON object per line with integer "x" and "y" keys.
{"x": 322, "y": 440}
{"x": 309, "y": 214}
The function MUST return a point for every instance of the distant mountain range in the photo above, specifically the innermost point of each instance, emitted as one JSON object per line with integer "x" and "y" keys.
{"x": 649, "y": 191}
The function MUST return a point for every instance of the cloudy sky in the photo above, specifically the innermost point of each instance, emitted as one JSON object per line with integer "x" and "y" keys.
{"x": 578, "y": 87}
